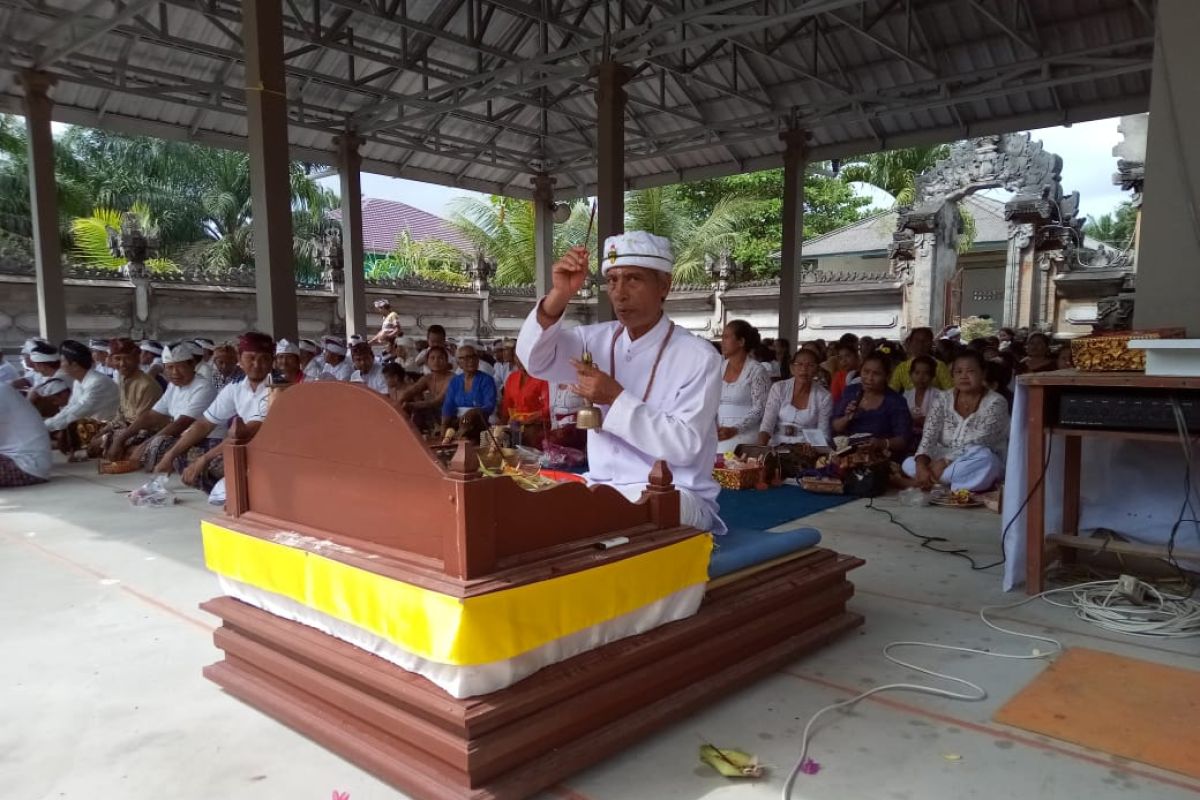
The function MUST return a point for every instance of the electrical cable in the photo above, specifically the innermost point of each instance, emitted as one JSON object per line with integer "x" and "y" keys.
{"x": 1098, "y": 602}
{"x": 963, "y": 552}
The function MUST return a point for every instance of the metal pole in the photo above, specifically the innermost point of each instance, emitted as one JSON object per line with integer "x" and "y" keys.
{"x": 43, "y": 203}
{"x": 543, "y": 231}
{"x": 610, "y": 162}
{"x": 270, "y": 183}
{"x": 794, "y": 162}
{"x": 350, "y": 176}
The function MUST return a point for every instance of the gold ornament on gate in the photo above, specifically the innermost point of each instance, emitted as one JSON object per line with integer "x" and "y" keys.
{"x": 588, "y": 418}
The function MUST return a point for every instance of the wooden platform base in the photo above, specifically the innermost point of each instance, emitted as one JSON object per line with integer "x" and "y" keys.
{"x": 512, "y": 743}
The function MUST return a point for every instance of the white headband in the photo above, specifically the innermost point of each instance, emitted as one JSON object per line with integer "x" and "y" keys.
{"x": 151, "y": 347}
{"x": 286, "y": 348}
{"x": 335, "y": 348}
{"x": 184, "y": 351}
{"x": 44, "y": 358}
{"x": 309, "y": 346}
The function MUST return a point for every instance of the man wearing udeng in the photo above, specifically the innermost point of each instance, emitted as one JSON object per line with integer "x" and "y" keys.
{"x": 656, "y": 384}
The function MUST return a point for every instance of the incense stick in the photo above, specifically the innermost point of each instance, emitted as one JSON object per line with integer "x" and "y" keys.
{"x": 587, "y": 237}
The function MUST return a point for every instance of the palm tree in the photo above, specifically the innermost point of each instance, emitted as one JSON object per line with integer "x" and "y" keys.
{"x": 1115, "y": 229}
{"x": 896, "y": 172}
{"x": 502, "y": 228}
{"x": 431, "y": 259}
{"x": 90, "y": 238}
{"x": 658, "y": 211}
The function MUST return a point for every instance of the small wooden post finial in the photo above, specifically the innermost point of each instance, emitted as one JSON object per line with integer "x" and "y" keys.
{"x": 464, "y": 464}
{"x": 660, "y": 477}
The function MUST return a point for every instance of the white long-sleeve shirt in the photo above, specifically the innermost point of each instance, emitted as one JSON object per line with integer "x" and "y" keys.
{"x": 95, "y": 396}
{"x": 676, "y": 423}
{"x": 373, "y": 379}
{"x": 23, "y": 437}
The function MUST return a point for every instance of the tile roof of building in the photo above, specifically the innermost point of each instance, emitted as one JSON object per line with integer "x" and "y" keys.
{"x": 385, "y": 220}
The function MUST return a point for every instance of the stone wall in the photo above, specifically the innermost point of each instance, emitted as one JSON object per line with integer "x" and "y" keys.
{"x": 110, "y": 307}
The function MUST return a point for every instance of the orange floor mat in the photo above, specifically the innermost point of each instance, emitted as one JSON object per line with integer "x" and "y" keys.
{"x": 1121, "y": 706}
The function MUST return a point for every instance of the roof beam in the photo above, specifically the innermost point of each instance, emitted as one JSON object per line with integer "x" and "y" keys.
{"x": 92, "y": 33}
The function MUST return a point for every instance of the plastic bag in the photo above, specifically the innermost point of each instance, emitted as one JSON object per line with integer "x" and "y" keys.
{"x": 152, "y": 494}
{"x": 556, "y": 456}
{"x": 913, "y": 497}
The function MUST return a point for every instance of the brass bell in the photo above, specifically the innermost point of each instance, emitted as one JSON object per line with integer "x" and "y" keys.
{"x": 588, "y": 418}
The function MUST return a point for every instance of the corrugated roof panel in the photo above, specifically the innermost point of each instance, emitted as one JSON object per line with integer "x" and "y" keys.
{"x": 853, "y": 88}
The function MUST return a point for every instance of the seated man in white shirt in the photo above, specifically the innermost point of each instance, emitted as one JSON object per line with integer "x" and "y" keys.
{"x": 311, "y": 362}
{"x": 158, "y": 428}
{"x": 151, "y": 357}
{"x": 246, "y": 399}
{"x": 206, "y": 348}
{"x": 100, "y": 352}
{"x": 50, "y": 386}
{"x": 27, "y": 376}
{"x": 657, "y": 385}
{"x": 336, "y": 366}
{"x": 367, "y": 370}
{"x": 287, "y": 363}
{"x": 95, "y": 398}
{"x": 24, "y": 442}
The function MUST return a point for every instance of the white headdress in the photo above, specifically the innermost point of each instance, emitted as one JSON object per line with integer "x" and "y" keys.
{"x": 637, "y": 249}
{"x": 179, "y": 353}
{"x": 335, "y": 345}
{"x": 285, "y": 348}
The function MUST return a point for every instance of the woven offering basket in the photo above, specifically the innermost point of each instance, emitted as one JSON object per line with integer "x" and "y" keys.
{"x": 738, "y": 479}
{"x": 1109, "y": 352}
{"x": 118, "y": 467}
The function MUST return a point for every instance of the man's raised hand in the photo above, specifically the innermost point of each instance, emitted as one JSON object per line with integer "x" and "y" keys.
{"x": 568, "y": 277}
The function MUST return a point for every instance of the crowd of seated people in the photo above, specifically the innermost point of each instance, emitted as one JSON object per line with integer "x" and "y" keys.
{"x": 941, "y": 406}
{"x": 167, "y": 407}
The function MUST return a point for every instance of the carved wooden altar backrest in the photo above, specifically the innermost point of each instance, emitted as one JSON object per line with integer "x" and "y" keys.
{"x": 337, "y": 460}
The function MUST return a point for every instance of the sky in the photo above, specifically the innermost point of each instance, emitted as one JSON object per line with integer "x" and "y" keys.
{"x": 1086, "y": 148}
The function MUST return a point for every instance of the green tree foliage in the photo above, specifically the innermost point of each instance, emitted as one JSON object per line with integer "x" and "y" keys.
{"x": 894, "y": 171}
{"x": 829, "y": 204}
{"x": 431, "y": 259}
{"x": 1115, "y": 229}
{"x": 198, "y": 197}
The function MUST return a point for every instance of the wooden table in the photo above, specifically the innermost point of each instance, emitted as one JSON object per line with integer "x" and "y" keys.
{"x": 1044, "y": 390}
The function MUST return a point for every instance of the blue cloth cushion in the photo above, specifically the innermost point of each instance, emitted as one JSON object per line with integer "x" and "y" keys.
{"x": 743, "y": 547}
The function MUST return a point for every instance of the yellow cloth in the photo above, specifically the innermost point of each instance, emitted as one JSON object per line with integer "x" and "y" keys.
{"x": 459, "y": 631}
{"x": 901, "y": 381}
{"x": 138, "y": 393}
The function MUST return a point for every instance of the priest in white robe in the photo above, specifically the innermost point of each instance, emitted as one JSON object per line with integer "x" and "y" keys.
{"x": 657, "y": 385}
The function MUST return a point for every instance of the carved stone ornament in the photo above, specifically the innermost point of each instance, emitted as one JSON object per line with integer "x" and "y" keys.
{"x": 132, "y": 244}
{"x": 481, "y": 272}
{"x": 329, "y": 246}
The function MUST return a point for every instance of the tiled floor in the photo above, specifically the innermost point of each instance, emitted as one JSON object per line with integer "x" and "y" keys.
{"x": 101, "y": 696}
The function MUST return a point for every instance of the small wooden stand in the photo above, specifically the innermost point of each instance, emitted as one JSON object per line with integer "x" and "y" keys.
{"x": 1044, "y": 389}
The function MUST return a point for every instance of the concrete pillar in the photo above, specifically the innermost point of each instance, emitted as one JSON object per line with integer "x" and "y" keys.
{"x": 349, "y": 173}
{"x": 1168, "y": 280}
{"x": 610, "y": 162}
{"x": 795, "y": 156}
{"x": 43, "y": 203}
{"x": 543, "y": 231}
{"x": 270, "y": 184}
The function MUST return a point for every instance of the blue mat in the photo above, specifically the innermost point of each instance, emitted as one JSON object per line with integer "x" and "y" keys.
{"x": 760, "y": 511}
{"x": 741, "y": 548}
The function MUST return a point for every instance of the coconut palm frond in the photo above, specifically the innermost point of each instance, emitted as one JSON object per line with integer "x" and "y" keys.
{"x": 90, "y": 239}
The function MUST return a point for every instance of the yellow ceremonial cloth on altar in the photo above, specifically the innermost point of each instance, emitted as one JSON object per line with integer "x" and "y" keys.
{"x": 450, "y": 630}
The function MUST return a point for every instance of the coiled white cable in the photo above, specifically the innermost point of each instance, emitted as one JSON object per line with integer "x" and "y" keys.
{"x": 1094, "y": 601}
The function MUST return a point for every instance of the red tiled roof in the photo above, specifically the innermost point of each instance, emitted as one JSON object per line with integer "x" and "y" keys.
{"x": 385, "y": 220}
